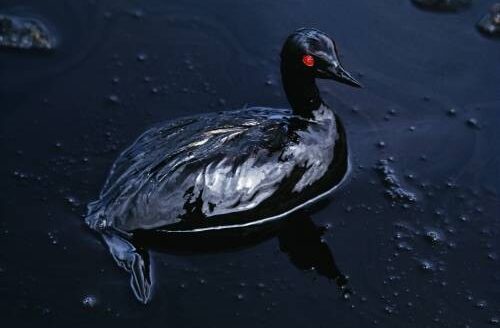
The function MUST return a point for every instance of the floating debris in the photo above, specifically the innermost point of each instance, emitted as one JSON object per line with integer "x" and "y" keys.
{"x": 89, "y": 301}
{"x": 490, "y": 23}
{"x": 442, "y": 5}
{"x": 24, "y": 33}
{"x": 394, "y": 190}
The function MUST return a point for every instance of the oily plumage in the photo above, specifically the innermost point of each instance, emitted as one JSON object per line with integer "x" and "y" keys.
{"x": 216, "y": 169}
{"x": 227, "y": 170}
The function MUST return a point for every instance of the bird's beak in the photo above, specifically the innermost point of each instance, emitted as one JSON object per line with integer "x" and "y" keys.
{"x": 338, "y": 73}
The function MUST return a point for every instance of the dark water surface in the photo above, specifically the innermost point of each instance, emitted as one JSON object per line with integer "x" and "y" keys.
{"x": 430, "y": 109}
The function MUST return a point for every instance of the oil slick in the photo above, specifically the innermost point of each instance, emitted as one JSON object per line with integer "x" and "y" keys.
{"x": 434, "y": 264}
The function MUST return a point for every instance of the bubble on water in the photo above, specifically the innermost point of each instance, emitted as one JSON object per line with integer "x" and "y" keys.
{"x": 389, "y": 309}
{"x": 492, "y": 256}
{"x": 46, "y": 311}
{"x": 107, "y": 15}
{"x": 137, "y": 13}
{"x": 189, "y": 64}
{"x": 463, "y": 218}
{"x": 113, "y": 99}
{"x": 494, "y": 321}
{"x": 482, "y": 304}
{"x": 442, "y": 5}
{"x": 20, "y": 175}
{"x": 427, "y": 265}
{"x": 142, "y": 56}
{"x": 73, "y": 201}
{"x": 410, "y": 176}
{"x": 438, "y": 212}
{"x": 25, "y": 33}
{"x": 473, "y": 123}
{"x": 394, "y": 189}
{"x": 451, "y": 112}
{"x": 381, "y": 144}
{"x": 346, "y": 295}
{"x": 404, "y": 246}
{"x": 490, "y": 23}
{"x": 434, "y": 236}
{"x": 89, "y": 301}
{"x": 355, "y": 109}
{"x": 52, "y": 238}
{"x": 451, "y": 185}
{"x": 240, "y": 297}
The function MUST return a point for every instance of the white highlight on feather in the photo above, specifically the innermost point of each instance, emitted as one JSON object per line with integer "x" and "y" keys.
{"x": 272, "y": 218}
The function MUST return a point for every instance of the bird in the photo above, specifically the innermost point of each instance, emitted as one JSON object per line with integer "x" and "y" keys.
{"x": 230, "y": 170}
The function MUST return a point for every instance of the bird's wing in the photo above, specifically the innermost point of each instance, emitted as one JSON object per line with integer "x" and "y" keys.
{"x": 199, "y": 167}
{"x": 142, "y": 153}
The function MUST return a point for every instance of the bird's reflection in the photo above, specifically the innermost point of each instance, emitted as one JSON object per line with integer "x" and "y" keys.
{"x": 303, "y": 241}
{"x": 299, "y": 237}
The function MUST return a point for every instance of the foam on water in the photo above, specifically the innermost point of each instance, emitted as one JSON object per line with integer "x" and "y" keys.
{"x": 394, "y": 190}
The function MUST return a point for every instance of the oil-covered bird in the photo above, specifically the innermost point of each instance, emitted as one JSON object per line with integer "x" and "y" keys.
{"x": 228, "y": 170}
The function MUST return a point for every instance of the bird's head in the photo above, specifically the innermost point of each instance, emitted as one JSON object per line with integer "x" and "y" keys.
{"x": 311, "y": 52}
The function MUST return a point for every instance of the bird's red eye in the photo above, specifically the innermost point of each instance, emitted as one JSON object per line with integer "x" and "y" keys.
{"x": 308, "y": 60}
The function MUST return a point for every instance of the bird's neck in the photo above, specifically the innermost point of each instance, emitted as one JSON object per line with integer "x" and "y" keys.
{"x": 301, "y": 91}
